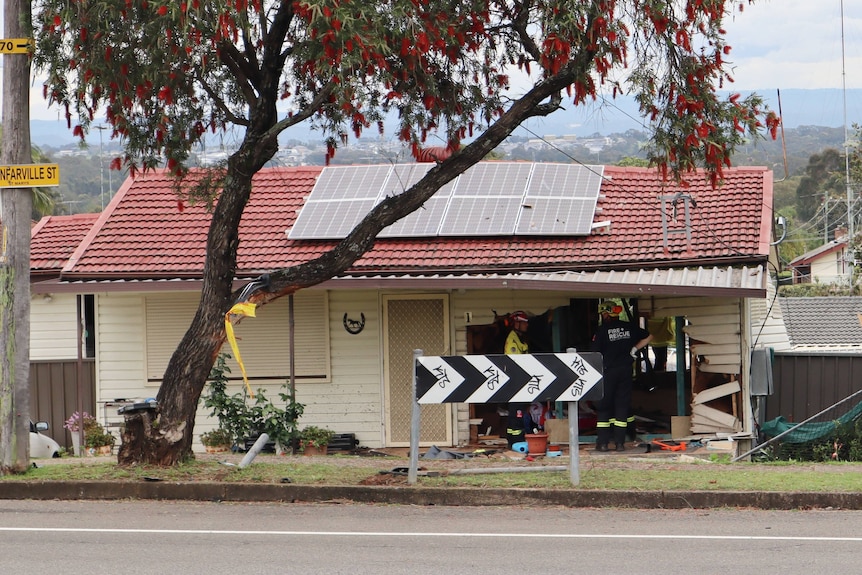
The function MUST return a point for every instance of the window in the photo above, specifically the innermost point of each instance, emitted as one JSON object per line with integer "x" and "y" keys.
{"x": 264, "y": 341}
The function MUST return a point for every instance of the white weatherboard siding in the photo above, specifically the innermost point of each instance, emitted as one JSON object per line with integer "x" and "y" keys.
{"x": 353, "y": 402}
{"x": 120, "y": 348}
{"x": 53, "y": 327}
{"x": 717, "y": 324}
{"x": 767, "y": 322}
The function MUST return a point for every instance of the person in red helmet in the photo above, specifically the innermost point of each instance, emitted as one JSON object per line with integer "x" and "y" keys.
{"x": 519, "y": 420}
{"x": 516, "y": 341}
{"x": 619, "y": 343}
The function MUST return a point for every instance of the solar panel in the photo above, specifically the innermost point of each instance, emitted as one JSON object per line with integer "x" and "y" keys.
{"x": 402, "y": 177}
{"x": 339, "y": 200}
{"x": 494, "y": 179}
{"x": 425, "y": 221}
{"x": 556, "y": 217}
{"x": 481, "y": 216}
{"x": 490, "y": 198}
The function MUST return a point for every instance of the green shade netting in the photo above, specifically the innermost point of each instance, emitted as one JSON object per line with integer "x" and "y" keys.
{"x": 808, "y": 431}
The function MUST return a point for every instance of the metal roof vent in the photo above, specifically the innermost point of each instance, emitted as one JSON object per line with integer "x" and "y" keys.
{"x": 674, "y": 228}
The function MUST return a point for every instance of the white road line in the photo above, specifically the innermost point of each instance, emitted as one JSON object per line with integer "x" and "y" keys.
{"x": 390, "y": 534}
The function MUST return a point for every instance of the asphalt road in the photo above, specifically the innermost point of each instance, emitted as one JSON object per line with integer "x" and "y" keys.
{"x": 146, "y": 537}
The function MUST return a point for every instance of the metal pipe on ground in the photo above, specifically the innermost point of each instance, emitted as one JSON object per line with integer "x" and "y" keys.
{"x": 480, "y": 471}
{"x": 255, "y": 449}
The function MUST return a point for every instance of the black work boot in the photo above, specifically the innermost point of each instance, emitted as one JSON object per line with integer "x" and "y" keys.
{"x": 603, "y": 437}
{"x": 620, "y": 438}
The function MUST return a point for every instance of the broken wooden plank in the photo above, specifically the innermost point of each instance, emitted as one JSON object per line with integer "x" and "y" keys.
{"x": 710, "y": 413}
{"x": 716, "y": 392}
{"x": 728, "y": 368}
{"x": 715, "y": 349}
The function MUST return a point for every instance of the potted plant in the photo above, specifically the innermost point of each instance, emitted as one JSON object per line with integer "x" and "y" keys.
{"x": 313, "y": 440}
{"x": 244, "y": 418}
{"x": 217, "y": 441}
{"x": 97, "y": 440}
{"x": 75, "y": 424}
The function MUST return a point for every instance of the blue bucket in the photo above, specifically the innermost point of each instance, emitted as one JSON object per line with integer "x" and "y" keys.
{"x": 520, "y": 447}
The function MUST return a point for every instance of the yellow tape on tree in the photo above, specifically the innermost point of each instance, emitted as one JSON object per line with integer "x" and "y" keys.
{"x": 245, "y": 309}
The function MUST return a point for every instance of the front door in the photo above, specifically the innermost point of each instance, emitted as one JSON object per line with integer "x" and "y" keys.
{"x": 413, "y": 322}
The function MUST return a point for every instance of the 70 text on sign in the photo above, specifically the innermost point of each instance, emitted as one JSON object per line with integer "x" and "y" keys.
{"x": 15, "y": 46}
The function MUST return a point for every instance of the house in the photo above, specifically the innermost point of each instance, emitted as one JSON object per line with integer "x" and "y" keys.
{"x": 549, "y": 239}
{"x": 826, "y": 264}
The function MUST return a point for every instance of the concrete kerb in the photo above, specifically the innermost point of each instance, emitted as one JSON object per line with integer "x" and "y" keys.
{"x": 245, "y": 492}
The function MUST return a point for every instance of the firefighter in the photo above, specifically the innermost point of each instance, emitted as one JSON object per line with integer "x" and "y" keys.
{"x": 519, "y": 420}
{"x": 619, "y": 343}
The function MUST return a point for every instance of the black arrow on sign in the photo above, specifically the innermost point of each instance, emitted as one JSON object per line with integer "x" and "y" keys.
{"x": 563, "y": 377}
{"x": 473, "y": 379}
{"x": 425, "y": 380}
{"x": 518, "y": 378}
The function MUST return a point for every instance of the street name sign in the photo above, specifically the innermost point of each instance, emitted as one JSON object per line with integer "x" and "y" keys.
{"x": 15, "y": 46}
{"x": 508, "y": 378}
{"x": 30, "y": 176}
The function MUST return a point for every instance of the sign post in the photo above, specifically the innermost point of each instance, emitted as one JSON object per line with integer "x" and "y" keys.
{"x": 525, "y": 378}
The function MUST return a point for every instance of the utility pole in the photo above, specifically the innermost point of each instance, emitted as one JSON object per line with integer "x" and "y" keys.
{"x": 851, "y": 233}
{"x": 16, "y": 206}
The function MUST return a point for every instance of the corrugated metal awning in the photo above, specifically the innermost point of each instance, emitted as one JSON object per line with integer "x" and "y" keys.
{"x": 701, "y": 281}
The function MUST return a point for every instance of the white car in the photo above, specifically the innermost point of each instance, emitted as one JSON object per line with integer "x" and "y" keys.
{"x": 42, "y": 446}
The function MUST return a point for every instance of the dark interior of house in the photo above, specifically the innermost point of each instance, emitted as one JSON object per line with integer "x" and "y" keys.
{"x": 654, "y": 396}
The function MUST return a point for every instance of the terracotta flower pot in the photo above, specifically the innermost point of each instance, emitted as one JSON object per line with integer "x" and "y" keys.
{"x": 312, "y": 450}
{"x": 537, "y": 443}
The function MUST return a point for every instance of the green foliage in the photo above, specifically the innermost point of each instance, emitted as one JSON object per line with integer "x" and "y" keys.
{"x": 629, "y": 161}
{"x": 844, "y": 443}
{"x": 217, "y": 438}
{"x": 240, "y": 416}
{"x": 311, "y": 435}
{"x": 95, "y": 435}
{"x": 814, "y": 289}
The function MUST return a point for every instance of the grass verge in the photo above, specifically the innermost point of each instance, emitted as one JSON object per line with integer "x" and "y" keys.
{"x": 595, "y": 473}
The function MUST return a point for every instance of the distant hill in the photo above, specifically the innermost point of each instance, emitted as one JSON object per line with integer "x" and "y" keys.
{"x": 798, "y": 108}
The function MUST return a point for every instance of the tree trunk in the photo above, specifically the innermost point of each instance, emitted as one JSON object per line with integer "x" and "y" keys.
{"x": 16, "y": 205}
{"x": 165, "y": 436}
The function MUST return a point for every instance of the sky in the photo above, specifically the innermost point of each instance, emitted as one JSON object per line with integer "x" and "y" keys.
{"x": 777, "y": 45}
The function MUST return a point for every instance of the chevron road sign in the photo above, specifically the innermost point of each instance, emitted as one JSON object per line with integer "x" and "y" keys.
{"x": 508, "y": 378}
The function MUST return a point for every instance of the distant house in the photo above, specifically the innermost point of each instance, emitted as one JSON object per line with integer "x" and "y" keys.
{"x": 826, "y": 264}
{"x": 505, "y": 240}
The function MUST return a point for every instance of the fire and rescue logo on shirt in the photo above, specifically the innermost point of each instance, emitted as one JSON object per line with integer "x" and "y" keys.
{"x": 508, "y": 378}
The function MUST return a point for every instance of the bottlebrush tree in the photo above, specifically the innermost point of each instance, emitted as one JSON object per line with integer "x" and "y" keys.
{"x": 163, "y": 73}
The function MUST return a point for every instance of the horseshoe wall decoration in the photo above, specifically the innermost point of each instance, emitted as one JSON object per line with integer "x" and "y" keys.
{"x": 353, "y": 326}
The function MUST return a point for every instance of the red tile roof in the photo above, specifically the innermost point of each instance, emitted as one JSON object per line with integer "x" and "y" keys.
{"x": 144, "y": 234}
{"x": 53, "y": 239}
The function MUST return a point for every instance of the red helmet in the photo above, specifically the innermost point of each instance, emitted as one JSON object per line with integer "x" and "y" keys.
{"x": 518, "y": 316}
